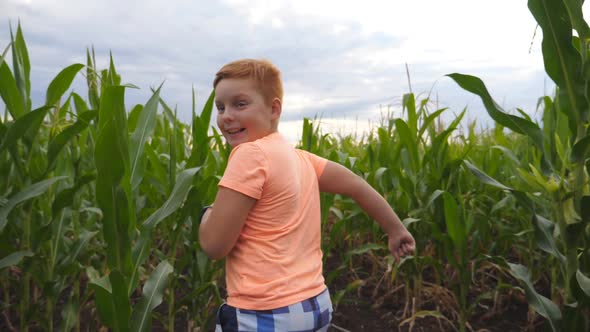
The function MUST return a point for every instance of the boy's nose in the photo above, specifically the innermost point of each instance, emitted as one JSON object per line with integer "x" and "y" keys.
{"x": 227, "y": 116}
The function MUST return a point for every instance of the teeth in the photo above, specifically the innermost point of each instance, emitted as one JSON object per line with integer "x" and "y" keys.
{"x": 234, "y": 131}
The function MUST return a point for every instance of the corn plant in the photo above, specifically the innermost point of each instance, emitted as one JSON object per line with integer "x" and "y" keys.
{"x": 559, "y": 171}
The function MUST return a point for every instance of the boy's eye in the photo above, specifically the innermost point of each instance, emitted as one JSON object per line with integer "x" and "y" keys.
{"x": 220, "y": 108}
{"x": 241, "y": 104}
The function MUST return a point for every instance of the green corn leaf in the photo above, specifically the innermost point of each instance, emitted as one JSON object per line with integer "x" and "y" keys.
{"x": 200, "y": 133}
{"x": 574, "y": 9}
{"x": 83, "y": 239}
{"x": 121, "y": 302}
{"x": 562, "y": 60}
{"x": 29, "y": 192}
{"x": 208, "y": 109}
{"x": 409, "y": 141}
{"x": 143, "y": 131}
{"x": 103, "y": 297}
{"x": 10, "y": 93}
{"x": 111, "y": 158}
{"x": 409, "y": 104}
{"x": 65, "y": 197}
{"x": 585, "y": 209}
{"x": 429, "y": 120}
{"x": 158, "y": 172}
{"x": 583, "y": 282}
{"x": 61, "y": 83}
{"x": 520, "y": 125}
{"x": 92, "y": 80}
{"x": 139, "y": 254}
{"x": 435, "y": 194}
{"x": 542, "y": 305}
{"x": 520, "y": 196}
{"x": 3, "y": 55}
{"x": 28, "y": 123}
{"x": 455, "y": 225}
{"x": 59, "y": 142}
{"x": 507, "y": 152}
{"x": 366, "y": 248}
{"x": 21, "y": 67}
{"x": 134, "y": 117}
{"x": 69, "y": 316}
{"x": 580, "y": 289}
{"x": 14, "y": 258}
{"x": 168, "y": 112}
{"x": 173, "y": 151}
{"x": 153, "y": 292}
{"x": 580, "y": 150}
{"x": 184, "y": 183}
{"x": 545, "y": 240}
{"x": 483, "y": 177}
{"x": 114, "y": 79}
{"x": 575, "y": 317}
{"x": 81, "y": 106}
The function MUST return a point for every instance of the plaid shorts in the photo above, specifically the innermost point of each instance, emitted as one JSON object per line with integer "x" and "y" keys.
{"x": 313, "y": 314}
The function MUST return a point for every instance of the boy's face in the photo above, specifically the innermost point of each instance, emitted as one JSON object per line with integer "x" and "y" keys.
{"x": 242, "y": 114}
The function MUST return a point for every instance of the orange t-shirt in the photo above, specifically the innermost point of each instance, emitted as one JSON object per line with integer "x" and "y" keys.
{"x": 277, "y": 259}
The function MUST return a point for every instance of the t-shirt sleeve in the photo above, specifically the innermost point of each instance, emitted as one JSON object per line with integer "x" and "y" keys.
{"x": 318, "y": 163}
{"x": 246, "y": 170}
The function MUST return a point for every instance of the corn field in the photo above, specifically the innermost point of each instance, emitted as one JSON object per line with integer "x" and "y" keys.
{"x": 99, "y": 204}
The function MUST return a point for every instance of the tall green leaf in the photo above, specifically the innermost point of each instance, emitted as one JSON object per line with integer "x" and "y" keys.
{"x": 143, "y": 131}
{"x": 60, "y": 141}
{"x": 580, "y": 150}
{"x": 10, "y": 93}
{"x": 61, "y": 83}
{"x": 92, "y": 80}
{"x": 542, "y": 305}
{"x": 455, "y": 225}
{"x": 29, "y": 122}
{"x": 111, "y": 157}
{"x": 29, "y": 192}
{"x": 200, "y": 133}
{"x": 14, "y": 258}
{"x": 21, "y": 67}
{"x": 153, "y": 292}
{"x": 545, "y": 240}
{"x": 574, "y": 9}
{"x": 483, "y": 177}
{"x": 409, "y": 141}
{"x": 520, "y": 125}
{"x": 562, "y": 60}
{"x": 184, "y": 183}
{"x": 122, "y": 304}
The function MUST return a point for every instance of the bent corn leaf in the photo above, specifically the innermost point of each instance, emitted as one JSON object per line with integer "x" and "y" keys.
{"x": 29, "y": 192}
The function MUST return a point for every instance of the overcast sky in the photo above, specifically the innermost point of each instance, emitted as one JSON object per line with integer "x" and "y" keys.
{"x": 341, "y": 60}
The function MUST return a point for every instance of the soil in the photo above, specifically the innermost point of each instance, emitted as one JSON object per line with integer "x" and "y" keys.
{"x": 374, "y": 306}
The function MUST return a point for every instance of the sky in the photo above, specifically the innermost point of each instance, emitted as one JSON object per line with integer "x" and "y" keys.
{"x": 341, "y": 61}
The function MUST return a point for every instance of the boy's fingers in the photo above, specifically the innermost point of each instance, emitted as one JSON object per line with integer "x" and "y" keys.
{"x": 405, "y": 248}
{"x": 410, "y": 247}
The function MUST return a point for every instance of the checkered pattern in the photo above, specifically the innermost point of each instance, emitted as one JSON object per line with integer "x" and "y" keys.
{"x": 311, "y": 315}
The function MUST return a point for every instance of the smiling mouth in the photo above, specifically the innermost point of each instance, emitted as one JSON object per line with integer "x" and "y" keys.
{"x": 235, "y": 131}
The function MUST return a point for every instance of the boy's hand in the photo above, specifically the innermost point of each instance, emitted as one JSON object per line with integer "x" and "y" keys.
{"x": 401, "y": 243}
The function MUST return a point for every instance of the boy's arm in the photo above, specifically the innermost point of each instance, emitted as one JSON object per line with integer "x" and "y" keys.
{"x": 338, "y": 179}
{"x": 221, "y": 225}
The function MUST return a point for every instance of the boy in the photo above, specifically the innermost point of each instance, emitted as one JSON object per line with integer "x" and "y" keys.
{"x": 266, "y": 218}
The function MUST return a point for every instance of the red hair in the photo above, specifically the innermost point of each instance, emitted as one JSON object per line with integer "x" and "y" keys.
{"x": 266, "y": 75}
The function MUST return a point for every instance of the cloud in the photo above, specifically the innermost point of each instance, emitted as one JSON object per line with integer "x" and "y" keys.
{"x": 338, "y": 59}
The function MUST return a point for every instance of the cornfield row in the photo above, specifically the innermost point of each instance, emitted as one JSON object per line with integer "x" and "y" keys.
{"x": 99, "y": 204}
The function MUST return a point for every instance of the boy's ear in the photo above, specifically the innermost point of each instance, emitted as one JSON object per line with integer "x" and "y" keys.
{"x": 276, "y": 108}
